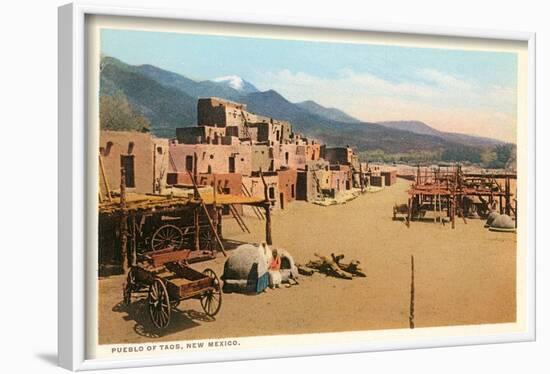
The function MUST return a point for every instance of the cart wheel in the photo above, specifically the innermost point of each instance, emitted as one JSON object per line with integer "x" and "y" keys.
{"x": 159, "y": 304}
{"x": 207, "y": 240}
{"x": 128, "y": 287}
{"x": 211, "y": 300}
{"x": 167, "y": 236}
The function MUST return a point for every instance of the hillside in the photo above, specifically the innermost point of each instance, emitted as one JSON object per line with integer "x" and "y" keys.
{"x": 169, "y": 100}
{"x": 332, "y": 114}
{"x": 421, "y": 128}
{"x": 164, "y": 106}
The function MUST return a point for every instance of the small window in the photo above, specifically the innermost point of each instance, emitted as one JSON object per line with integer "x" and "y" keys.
{"x": 159, "y": 150}
{"x": 212, "y": 156}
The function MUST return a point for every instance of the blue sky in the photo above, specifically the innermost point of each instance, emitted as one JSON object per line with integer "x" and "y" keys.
{"x": 452, "y": 90}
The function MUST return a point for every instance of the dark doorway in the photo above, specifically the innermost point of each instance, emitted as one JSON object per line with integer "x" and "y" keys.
{"x": 128, "y": 165}
{"x": 189, "y": 163}
{"x": 231, "y": 164}
{"x": 282, "y": 200}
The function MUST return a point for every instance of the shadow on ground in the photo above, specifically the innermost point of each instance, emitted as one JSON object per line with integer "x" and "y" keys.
{"x": 180, "y": 320}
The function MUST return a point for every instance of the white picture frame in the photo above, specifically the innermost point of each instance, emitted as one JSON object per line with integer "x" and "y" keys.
{"x": 73, "y": 181}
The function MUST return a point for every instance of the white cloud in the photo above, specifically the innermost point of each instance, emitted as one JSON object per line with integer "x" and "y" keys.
{"x": 444, "y": 101}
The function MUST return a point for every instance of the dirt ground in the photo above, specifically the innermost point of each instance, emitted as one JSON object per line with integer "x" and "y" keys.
{"x": 462, "y": 276}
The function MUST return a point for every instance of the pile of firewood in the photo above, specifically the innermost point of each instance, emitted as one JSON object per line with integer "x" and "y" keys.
{"x": 332, "y": 266}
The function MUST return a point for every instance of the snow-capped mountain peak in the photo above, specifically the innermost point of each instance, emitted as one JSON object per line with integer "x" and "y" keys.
{"x": 237, "y": 83}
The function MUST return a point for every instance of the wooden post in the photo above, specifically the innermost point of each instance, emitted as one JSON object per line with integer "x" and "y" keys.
{"x": 154, "y": 168}
{"x": 267, "y": 205}
{"x": 361, "y": 180}
{"x": 507, "y": 193}
{"x": 268, "y": 238}
{"x": 133, "y": 254}
{"x": 214, "y": 204}
{"x": 196, "y": 222}
{"x": 453, "y": 210}
{"x": 123, "y": 220}
{"x": 219, "y": 220}
{"x": 409, "y": 213}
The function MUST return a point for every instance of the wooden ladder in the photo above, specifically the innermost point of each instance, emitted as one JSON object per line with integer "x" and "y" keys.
{"x": 255, "y": 209}
{"x": 237, "y": 216}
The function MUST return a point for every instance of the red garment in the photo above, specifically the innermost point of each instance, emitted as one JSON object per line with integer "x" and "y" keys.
{"x": 275, "y": 264}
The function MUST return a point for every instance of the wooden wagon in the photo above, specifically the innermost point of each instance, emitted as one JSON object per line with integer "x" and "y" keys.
{"x": 167, "y": 280}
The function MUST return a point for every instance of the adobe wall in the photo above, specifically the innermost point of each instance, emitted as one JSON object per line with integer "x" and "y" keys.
{"x": 262, "y": 158}
{"x": 256, "y": 188}
{"x": 337, "y": 155}
{"x": 214, "y": 111}
{"x": 200, "y": 134}
{"x": 390, "y": 177}
{"x": 313, "y": 151}
{"x": 161, "y": 161}
{"x": 287, "y": 184}
{"x": 212, "y": 158}
{"x": 338, "y": 180}
{"x": 290, "y": 156}
{"x": 113, "y": 144}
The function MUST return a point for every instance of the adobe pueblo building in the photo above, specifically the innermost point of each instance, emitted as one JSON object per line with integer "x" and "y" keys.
{"x": 232, "y": 163}
{"x": 231, "y": 144}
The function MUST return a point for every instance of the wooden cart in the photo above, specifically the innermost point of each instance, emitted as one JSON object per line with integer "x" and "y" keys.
{"x": 167, "y": 279}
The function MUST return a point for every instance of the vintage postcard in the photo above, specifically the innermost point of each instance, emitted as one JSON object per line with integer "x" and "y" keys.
{"x": 261, "y": 187}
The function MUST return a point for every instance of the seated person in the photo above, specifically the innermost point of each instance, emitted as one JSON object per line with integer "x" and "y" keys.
{"x": 274, "y": 270}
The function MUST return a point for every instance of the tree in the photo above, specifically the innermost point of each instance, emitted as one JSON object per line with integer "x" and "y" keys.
{"x": 488, "y": 157}
{"x": 115, "y": 113}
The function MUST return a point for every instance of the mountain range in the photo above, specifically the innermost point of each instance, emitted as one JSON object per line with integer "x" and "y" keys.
{"x": 169, "y": 100}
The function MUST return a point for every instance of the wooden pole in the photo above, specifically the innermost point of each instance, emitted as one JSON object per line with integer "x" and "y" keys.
{"x": 411, "y": 305}
{"x": 267, "y": 207}
{"x": 361, "y": 178}
{"x": 123, "y": 220}
{"x": 196, "y": 223}
{"x": 453, "y": 211}
{"x": 219, "y": 220}
{"x": 268, "y": 238}
{"x": 409, "y": 213}
{"x": 507, "y": 192}
{"x": 104, "y": 177}
{"x": 133, "y": 260}
{"x": 154, "y": 168}
{"x": 214, "y": 204}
